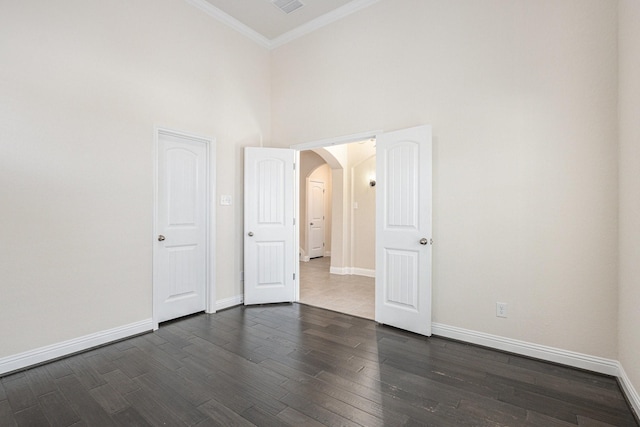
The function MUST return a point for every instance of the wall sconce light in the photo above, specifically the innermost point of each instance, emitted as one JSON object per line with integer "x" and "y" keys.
{"x": 372, "y": 182}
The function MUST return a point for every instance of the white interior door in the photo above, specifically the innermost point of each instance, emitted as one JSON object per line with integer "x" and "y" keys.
{"x": 403, "y": 229}
{"x": 315, "y": 216}
{"x": 269, "y": 242}
{"x": 180, "y": 252}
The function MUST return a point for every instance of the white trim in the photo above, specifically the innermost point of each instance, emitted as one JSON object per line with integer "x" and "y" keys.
{"x": 296, "y": 223}
{"x": 303, "y": 255}
{"x": 210, "y": 285}
{"x": 230, "y": 21}
{"x": 363, "y": 272}
{"x": 321, "y": 21}
{"x": 210, "y": 306}
{"x": 630, "y": 392}
{"x": 342, "y": 271}
{"x": 65, "y": 348}
{"x": 229, "y": 302}
{"x": 328, "y": 142}
{"x": 551, "y": 354}
{"x": 313, "y": 25}
{"x": 355, "y": 271}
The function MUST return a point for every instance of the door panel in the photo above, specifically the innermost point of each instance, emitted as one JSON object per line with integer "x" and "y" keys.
{"x": 180, "y": 255}
{"x": 315, "y": 213}
{"x": 403, "y": 263}
{"x": 269, "y": 252}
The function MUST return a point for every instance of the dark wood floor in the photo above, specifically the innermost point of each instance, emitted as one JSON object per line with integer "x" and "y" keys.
{"x": 298, "y": 365}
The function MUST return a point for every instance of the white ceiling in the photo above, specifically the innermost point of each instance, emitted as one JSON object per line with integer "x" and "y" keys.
{"x": 262, "y": 21}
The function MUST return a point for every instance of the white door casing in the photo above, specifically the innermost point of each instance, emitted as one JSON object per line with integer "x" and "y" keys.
{"x": 315, "y": 218}
{"x": 403, "y": 229}
{"x": 270, "y": 253}
{"x": 183, "y": 250}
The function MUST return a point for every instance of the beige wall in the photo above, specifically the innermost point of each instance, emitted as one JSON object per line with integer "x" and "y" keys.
{"x": 522, "y": 97}
{"x": 364, "y": 216}
{"x": 629, "y": 45}
{"x": 82, "y": 85}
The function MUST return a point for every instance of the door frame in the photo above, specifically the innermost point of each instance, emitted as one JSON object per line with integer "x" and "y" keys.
{"x": 328, "y": 142}
{"x": 210, "y": 226}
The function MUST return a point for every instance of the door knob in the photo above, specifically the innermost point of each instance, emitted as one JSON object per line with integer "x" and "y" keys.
{"x": 423, "y": 241}
{"x": 250, "y": 234}
{"x": 311, "y": 224}
{"x": 161, "y": 238}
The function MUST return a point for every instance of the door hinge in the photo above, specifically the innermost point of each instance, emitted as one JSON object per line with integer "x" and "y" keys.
{"x": 294, "y": 166}
{"x": 294, "y": 276}
{"x": 294, "y": 221}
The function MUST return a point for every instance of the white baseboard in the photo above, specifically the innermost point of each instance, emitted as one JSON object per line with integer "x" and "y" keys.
{"x": 363, "y": 272}
{"x": 629, "y": 390}
{"x": 229, "y": 302}
{"x": 338, "y": 270}
{"x": 352, "y": 271}
{"x": 54, "y": 351}
{"x": 551, "y": 354}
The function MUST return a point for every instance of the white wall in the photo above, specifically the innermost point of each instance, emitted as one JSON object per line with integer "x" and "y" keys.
{"x": 82, "y": 85}
{"x": 629, "y": 231}
{"x": 522, "y": 97}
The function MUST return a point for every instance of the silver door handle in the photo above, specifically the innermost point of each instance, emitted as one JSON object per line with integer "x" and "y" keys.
{"x": 423, "y": 241}
{"x": 250, "y": 234}
{"x": 161, "y": 238}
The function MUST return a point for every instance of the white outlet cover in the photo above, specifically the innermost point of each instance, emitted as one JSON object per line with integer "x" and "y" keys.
{"x": 225, "y": 200}
{"x": 501, "y": 309}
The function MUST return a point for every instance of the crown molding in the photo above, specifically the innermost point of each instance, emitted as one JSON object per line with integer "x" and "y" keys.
{"x": 232, "y": 22}
{"x": 319, "y": 22}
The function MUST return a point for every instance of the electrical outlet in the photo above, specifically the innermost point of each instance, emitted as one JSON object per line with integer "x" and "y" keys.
{"x": 501, "y": 309}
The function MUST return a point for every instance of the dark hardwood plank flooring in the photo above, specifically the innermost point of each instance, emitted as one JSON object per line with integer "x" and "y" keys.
{"x": 294, "y": 365}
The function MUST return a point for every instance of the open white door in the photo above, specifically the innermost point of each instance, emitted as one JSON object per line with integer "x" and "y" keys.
{"x": 269, "y": 240}
{"x": 403, "y": 229}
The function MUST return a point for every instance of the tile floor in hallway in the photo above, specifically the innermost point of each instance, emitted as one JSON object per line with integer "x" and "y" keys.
{"x": 350, "y": 294}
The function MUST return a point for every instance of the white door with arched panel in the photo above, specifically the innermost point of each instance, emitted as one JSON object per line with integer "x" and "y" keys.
{"x": 182, "y": 221}
{"x": 269, "y": 240}
{"x": 403, "y": 229}
{"x": 315, "y": 216}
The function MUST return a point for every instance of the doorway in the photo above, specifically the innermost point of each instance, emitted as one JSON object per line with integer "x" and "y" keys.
{"x": 403, "y": 225}
{"x": 341, "y": 278}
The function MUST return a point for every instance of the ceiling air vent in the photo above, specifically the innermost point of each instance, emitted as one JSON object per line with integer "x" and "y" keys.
{"x": 287, "y": 6}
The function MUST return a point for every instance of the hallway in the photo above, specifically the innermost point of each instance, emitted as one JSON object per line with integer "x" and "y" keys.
{"x": 350, "y": 294}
